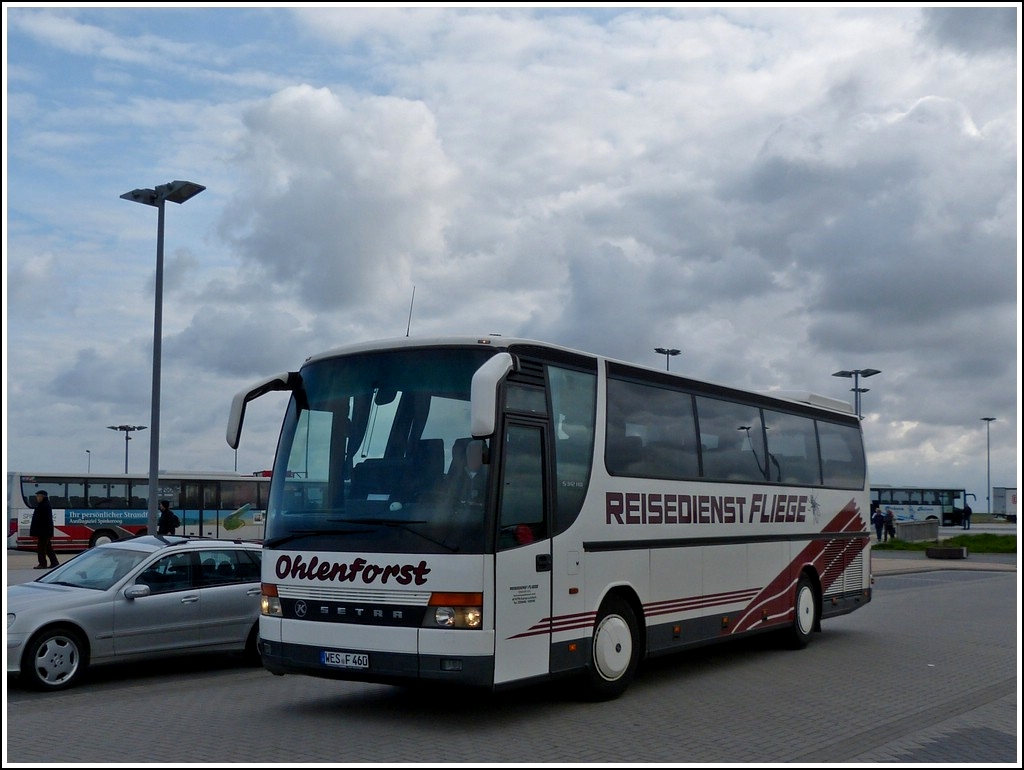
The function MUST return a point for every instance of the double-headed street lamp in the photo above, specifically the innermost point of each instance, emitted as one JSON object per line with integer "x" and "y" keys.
{"x": 857, "y": 390}
{"x": 128, "y": 430}
{"x": 988, "y": 463}
{"x": 176, "y": 192}
{"x": 668, "y": 353}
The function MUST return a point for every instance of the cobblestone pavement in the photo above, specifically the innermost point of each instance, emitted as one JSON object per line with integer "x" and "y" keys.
{"x": 926, "y": 674}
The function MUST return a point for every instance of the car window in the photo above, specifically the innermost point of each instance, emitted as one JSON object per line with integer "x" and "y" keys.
{"x": 170, "y": 573}
{"x": 228, "y": 565}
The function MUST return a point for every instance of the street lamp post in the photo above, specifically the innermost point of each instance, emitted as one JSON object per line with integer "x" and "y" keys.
{"x": 128, "y": 430}
{"x": 668, "y": 353}
{"x": 988, "y": 463}
{"x": 176, "y": 192}
{"x": 88, "y": 458}
{"x": 857, "y": 390}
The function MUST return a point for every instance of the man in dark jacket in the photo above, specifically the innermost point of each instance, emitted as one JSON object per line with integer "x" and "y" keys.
{"x": 168, "y": 520}
{"x": 42, "y": 530}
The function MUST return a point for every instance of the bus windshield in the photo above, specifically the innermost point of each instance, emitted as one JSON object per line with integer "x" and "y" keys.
{"x": 376, "y": 453}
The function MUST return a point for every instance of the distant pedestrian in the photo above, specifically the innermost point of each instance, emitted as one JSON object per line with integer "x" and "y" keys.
{"x": 168, "y": 521}
{"x": 965, "y": 516}
{"x": 42, "y": 531}
{"x": 878, "y": 519}
{"x": 890, "y": 524}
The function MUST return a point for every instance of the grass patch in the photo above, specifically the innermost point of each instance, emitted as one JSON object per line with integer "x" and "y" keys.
{"x": 985, "y": 542}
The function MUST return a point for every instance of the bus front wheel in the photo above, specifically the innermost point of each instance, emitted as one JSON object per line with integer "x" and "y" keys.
{"x": 615, "y": 650}
{"x": 806, "y": 614}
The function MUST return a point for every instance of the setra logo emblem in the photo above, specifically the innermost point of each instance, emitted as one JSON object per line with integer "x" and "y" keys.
{"x": 300, "y": 609}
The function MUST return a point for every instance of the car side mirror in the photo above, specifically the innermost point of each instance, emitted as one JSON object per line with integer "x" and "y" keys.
{"x": 136, "y": 591}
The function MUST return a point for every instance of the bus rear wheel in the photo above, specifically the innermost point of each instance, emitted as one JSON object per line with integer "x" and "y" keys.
{"x": 615, "y": 651}
{"x": 102, "y": 537}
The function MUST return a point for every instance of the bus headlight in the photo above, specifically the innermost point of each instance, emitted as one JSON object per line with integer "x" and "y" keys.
{"x": 270, "y": 602}
{"x": 455, "y": 610}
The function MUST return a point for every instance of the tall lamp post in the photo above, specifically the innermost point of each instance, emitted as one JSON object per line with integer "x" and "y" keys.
{"x": 88, "y": 459}
{"x": 668, "y": 353}
{"x": 128, "y": 430}
{"x": 988, "y": 463}
{"x": 857, "y": 390}
{"x": 176, "y": 192}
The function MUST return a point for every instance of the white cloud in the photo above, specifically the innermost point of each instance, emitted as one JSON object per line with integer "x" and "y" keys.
{"x": 778, "y": 192}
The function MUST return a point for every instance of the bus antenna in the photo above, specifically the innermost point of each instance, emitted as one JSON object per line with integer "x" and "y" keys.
{"x": 409, "y": 324}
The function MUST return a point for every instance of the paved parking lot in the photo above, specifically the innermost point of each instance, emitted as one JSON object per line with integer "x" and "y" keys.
{"x": 925, "y": 674}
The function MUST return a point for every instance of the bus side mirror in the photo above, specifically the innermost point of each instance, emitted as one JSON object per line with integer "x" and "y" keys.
{"x": 284, "y": 381}
{"x": 483, "y": 394}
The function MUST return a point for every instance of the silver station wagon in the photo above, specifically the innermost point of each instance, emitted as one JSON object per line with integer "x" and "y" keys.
{"x": 138, "y": 599}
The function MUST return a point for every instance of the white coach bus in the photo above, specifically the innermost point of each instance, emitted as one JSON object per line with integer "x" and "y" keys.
{"x": 616, "y": 513}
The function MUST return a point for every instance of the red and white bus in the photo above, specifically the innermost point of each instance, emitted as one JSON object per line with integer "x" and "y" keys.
{"x": 12, "y": 516}
{"x": 627, "y": 513}
{"x": 90, "y": 509}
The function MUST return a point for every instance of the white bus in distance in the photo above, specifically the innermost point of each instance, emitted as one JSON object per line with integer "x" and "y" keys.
{"x": 944, "y": 505}
{"x": 623, "y": 513}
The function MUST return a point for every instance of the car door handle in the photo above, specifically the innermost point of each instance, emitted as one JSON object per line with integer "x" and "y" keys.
{"x": 253, "y": 592}
{"x": 190, "y": 599}
{"x": 543, "y": 562}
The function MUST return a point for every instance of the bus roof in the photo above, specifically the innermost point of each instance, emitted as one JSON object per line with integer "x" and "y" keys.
{"x": 499, "y": 342}
{"x": 815, "y": 399}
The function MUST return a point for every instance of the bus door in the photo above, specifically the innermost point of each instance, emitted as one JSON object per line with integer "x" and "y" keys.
{"x": 522, "y": 596}
{"x": 201, "y": 508}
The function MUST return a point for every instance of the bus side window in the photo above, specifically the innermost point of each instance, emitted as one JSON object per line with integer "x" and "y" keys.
{"x": 624, "y": 455}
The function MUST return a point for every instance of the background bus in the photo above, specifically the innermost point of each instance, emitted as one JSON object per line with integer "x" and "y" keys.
{"x": 624, "y": 512}
{"x": 923, "y": 503}
{"x": 12, "y": 516}
{"x": 89, "y": 509}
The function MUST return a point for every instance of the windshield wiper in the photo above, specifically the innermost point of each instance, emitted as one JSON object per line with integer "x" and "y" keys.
{"x": 301, "y": 533}
{"x": 404, "y": 525}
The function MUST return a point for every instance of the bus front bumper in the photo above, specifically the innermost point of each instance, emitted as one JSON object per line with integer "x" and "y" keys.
{"x": 382, "y": 668}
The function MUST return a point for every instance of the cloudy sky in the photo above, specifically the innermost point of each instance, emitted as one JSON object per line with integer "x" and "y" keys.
{"x": 780, "y": 193}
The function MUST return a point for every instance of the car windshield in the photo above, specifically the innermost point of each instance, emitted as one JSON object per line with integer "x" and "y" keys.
{"x": 98, "y": 568}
